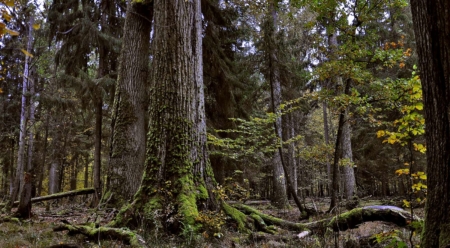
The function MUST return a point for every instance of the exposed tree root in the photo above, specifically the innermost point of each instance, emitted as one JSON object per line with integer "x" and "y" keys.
{"x": 271, "y": 220}
{"x": 249, "y": 220}
{"x": 106, "y": 233}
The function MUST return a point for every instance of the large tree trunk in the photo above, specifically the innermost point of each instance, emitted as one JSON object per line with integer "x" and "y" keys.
{"x": 432, "y": 30}
{"x": 177, "y": 181}
{"x": 127, "y": 156}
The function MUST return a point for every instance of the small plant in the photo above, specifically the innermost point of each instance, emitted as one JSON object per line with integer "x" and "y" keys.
{"x": 212, "y": 223}
{"x": 390, "y": 239}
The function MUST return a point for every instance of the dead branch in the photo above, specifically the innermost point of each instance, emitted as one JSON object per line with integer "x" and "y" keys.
{"x": 59, "y": 195}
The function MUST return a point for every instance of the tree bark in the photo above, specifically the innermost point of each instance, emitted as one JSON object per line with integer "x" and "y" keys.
{"x": 279, "y": 197}
{"x": 19, "y": 178}
{"x": 347, "y": 154}
{"x": 97, "y": 149}
{"x": 432, "y": 31}
{"x": 127, "y": 154}
{"x": 53, "y": 177}
{"x": 42, "y": 167}
{"x": 24, "y": 208}
{"x": 337, "y": 151}
{"x": 327, "y": 142}
{"x": 178, "y": 180}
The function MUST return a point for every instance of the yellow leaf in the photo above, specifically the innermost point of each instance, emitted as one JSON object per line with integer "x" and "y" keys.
{"x": 6, "y": 16}
{"x": 26, "y": 53}
{"x": 406, "y": 203}
{"x": 36, "y": 26}
{"x": 381, "y": 133}
{"x": 9, "y": 3}
{"x": 423, "y": 177}
{"x": 1, "y": 90}
{"x": 402, "y": 171}
{"x": 391, "y": 140}
{"x": 11, "y": 32}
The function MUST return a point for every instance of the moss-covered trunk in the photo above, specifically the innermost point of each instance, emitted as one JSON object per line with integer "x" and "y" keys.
{"x": 177, "y": 181}
{"x": 127, "y": 155}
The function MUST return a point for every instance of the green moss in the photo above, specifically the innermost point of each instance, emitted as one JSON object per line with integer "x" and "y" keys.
{"x": 187, "y": 201}
{"x": 238, "y": 216}
{"x": 349, "y": 214}
{"x": 348, "y": 217}
{"x": 153, "y": 203}
{"x": 121, "y": 218}
{"x": 203, "y": 192}
{"x": 273, "y": 220}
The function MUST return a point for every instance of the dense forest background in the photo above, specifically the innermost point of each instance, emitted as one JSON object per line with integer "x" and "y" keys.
{"x": 304, "y": 100}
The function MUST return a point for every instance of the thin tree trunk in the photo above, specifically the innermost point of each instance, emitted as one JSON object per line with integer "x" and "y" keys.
{"x": 337, "y": 150}
{"x": 28, "y": 188}
{"x": 11, "y": 168}
{"x": 19, "y": 178}
{"x": 73, "y": 175}
{"x": 53, "y": 177}
{"x": 97, "y": 151}
{"x": 327, "y": 142}
{"x": 86, "y": 173}
{"x": 44, "y": 157}
{"x": 291, "y": 153}
{"x": 279, "y": 197}
{"x": 347, "y": 154}
{"x": 31, "y": 129}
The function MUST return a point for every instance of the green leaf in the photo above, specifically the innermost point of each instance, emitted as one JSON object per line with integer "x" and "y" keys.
{"x": 419, "y": 106}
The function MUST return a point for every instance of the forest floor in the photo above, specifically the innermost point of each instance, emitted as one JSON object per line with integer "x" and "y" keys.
{"x": 38, "y": 231}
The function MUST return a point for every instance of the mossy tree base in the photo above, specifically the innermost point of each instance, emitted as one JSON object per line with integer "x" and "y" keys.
{"x": 252, "y": 221}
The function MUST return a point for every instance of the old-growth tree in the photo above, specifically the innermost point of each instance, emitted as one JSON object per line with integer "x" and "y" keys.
{"x": 432, "y": 30}
{"x": 177, "y": 179}
{"x": 127, "y": 155}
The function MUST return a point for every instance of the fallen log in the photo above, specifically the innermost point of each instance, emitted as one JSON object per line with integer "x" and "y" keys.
{"x": 59, "y": 195}
{"x": 341, "y": 222}
{"x": 353, "y": 218}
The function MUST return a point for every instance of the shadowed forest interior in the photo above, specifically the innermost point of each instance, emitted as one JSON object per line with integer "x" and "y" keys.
{"x": 224, "y": 123}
